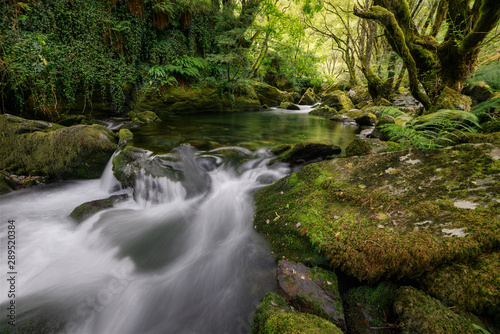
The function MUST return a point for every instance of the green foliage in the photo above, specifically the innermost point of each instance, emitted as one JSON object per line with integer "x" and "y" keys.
{"x": 390, "y": 111}
{"x": 489, "y": 73}
{"x": 485, "y": 109}
{"x": 430, "y": 131}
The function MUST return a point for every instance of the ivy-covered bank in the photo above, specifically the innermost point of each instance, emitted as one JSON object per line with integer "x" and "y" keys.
{"x": 430, "y": 217}
{"x": 102, "y": 56}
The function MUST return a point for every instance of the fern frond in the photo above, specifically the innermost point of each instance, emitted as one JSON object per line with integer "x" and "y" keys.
{"x": 390, "y": 111}
{"x": 489, "y": 73}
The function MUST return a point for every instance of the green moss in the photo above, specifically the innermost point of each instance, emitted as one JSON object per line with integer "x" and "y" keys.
{"x": 88, "y": 209}
{"x": 368, "y": 306}
{"x": 386, "y": 214}
{"x": 124, "y": 135}
{"x": 473, "y": 286}
{"x": 6, "y": 184}
{"x": 358, "y": 146}
{"x": 273, "y": 315}
{"x": 323, "y": 110}
{"x": 74, "y": 152}
{"x": 420, "y": 313}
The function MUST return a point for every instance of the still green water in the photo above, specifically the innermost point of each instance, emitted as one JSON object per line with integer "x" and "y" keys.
{"x": 253, "y": 130}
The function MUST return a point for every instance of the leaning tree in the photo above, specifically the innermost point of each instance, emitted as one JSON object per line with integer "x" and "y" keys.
{"x": 433, "y": 65}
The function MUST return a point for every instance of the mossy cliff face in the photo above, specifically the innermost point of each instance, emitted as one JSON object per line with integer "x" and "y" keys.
{"x": 397, "y": 214}
{"x": 80, "y": 151}
{"x": 196, "y": 100}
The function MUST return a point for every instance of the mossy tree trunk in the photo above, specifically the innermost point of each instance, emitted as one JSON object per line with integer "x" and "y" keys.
{"x": 430, "y": 64}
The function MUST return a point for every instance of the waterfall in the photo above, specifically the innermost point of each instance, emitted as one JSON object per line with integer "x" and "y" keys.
{"x": 181, "y": 256}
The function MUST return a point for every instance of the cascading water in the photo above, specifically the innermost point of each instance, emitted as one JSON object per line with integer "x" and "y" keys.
{"x": 179, "y": 256}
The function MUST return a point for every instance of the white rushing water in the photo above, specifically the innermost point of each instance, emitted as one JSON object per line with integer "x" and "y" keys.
{"x": 182, "y": 257}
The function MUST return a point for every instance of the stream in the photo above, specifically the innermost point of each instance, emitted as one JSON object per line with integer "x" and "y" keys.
{"x": 178, "y": 257}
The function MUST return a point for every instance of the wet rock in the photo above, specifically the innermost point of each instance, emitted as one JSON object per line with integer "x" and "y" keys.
{"x": 367, "y": 119}
{"x": 289, "y": 106}
{"x": 125, "y": 136}
{"x": 420, "y": 313}
{"x": 309, "y": 97}
{"x": 308, "y": 151}
{"x": 452, "y": 100}
{"x": 87, "y": 209}
{"x": 369, "y": 310}
{"x": 274, "y": 316}
{"x": 312, "y": 291}
{"x": 80, "y": 151}
{"x": 337, "y": 100}
{"x": 277, "y": 150}
{"x": 358, "y": 146}
{"x": 395, "y": 210}
{"x": 343, "y": 119}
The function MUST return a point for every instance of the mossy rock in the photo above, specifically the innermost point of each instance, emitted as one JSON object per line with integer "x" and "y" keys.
{"x": 14, "y": 125}
{"x": 270, "y": 95}
{"x": 370, "y": 307}
{"x": 70, "y": 120}
{"x": 175, "y": 100}
{"x": 359, "y": 94}
{"x": 379, "y": 132}
{"x": 459, "y": 137}
{"x": 309, "y": 97}
{"x": 337, "y": 100}
{"x": 308, "y": 151}
{"x": 452, "y": 100}
{"x": 311, "y": 290}
{"x": 6, "y": 183}
{"x": 277, "y": 150}
{"x": 289, "y": 106}
{"x": 420, "y": 313}
{"x": 125, "y": 136}
{"x": 479, "y": 91}
{"x": 358, "y": 146}
{"x": 274, "y": 316}
{"x": 323, "y": 110}
{"x": 473, "y": 285}
{"x": 80, "y": 151}
{"x": 87, "y": 209}
{"x": 367, "y": 119}
{"x": 146, "y": 116}
{"x": 397, "y": 214}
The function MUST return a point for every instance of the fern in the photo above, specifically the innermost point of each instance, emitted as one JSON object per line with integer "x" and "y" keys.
{"x": 489, "y": 73}
{"x": 483, "y": 109}
{"x": 390, "y": 111}
{"x": 433, "y": 130}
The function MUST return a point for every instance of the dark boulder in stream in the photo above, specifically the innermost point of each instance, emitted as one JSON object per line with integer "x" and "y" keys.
{"x": 305, "y": 152}
{"x": 87, "y": 209}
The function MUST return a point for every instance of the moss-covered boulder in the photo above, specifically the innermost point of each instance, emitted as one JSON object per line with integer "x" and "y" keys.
{"x": 308, "y": 151}
{"x": 358, "y": 146}
{"x": 420, "y": 313}
{"x": 191, "y": 100}
{"x": 451, "y": 99}
{"x": 140, "y": 118}
{"x": 311, "y": 290}
{"x": 40, "y": 148}
{"x": 337, "y": 100}
{"x": 408, "y": 104}
{"x": 397, "y": 214}
{"x": 6, "y": 183}
{"x": 323, "y": 110}
{"x": 274, "y": 316}
{"x": 473, "y": 285}
{"x": 366, "y": 119}
{"x": 124, "y": 137}
{"x": 479, "y": 91}
{"x": 289, "y": 106}
{"x": 87, "y": 209}
{"x": 369, "y": 310}
{"x": 270, "y": 95}
{"x": 359, "y": 94}
{"x": 309, "y": 97}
